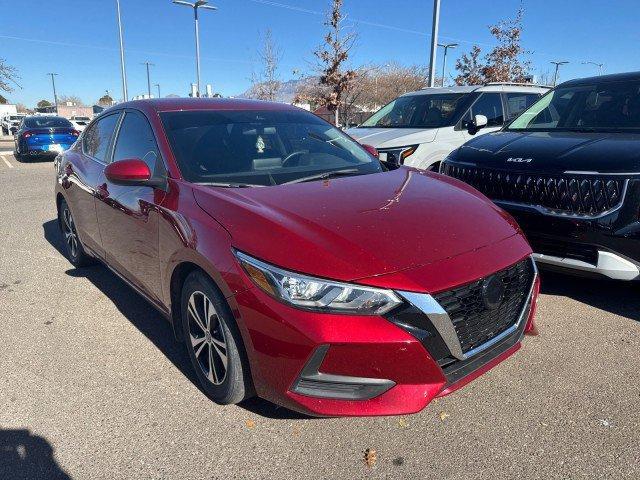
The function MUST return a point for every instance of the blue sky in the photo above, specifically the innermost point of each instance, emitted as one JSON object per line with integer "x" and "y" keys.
{"x": 78, "y": 38}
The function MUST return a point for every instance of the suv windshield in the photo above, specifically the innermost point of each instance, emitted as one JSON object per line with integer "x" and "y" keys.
{"x": 261, "y": 148}
{"x": 607, "y": 106}
{"x": 47, "y": 122}
{"x": 420, "y": 111}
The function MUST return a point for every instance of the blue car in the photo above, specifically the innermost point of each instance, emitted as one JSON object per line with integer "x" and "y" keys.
{"x": 40, "y": 136}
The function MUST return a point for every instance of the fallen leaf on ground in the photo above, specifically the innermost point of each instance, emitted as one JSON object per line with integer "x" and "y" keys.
{"x": 444, "y": 415}
{"x": 402, "y": 423}
{"x": 370, "y": 457}
{"x": 250, "y": 424}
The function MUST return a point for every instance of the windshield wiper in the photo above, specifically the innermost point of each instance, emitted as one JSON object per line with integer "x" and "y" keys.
{"x": 324, "y": 175}
{"x": 230, "y": 185}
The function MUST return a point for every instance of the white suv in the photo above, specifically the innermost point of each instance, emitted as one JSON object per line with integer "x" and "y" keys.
{"x": 421, "y": 128}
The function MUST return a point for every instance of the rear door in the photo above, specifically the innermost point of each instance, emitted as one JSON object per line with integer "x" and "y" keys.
{"x": 515, "y": 103}
{"x": 128, "y": 215}
{"x": 83, "y": 169}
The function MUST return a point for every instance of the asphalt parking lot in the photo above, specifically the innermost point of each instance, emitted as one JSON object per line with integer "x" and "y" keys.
{"x": 93, "y": 385}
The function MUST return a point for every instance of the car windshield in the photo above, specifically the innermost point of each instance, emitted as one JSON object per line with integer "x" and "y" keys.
{"x": 261, "y": 148}
{"x": 15, "y": 117}
{"x": 81, "y": 119}
{"x": 420, "y": 111}
{"x": 47, "y": 122}
{"x": 610, "y": 106}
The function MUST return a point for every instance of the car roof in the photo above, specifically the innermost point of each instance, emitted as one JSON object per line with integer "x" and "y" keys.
{"x": 181, "y": 104}
{"x": 616, "y": 77}
{"x": 489, "y": 87}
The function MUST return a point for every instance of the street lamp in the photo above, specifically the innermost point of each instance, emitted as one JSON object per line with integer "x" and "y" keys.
{"x": 148, "y": 64}
{"x": 122, "y": 70}
{"x": 599, "y": 65}
{"x": 198, "y": 4}
{"x": 55, "y": 96}
{"x": 446, "y": 47}
{"x": 557, "y": 64}
{"x": 434, "y": 42}
{"x": 158, "y": 87}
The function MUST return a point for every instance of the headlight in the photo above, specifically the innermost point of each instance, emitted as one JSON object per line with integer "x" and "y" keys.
{"x": 398, "y": 155}
{"x": 316, "y": 294}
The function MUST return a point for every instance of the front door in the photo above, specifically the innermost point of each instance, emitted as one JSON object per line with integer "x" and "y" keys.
{"x": 489, "y": 105}
{"x": 128, "y": 215}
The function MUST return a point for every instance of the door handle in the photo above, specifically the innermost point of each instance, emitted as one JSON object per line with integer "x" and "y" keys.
{"x": 102, "y": 192}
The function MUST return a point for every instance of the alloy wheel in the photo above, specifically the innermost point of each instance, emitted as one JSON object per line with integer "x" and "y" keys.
{"x": 70, "y": 233}
{"x": 207, "y": 337}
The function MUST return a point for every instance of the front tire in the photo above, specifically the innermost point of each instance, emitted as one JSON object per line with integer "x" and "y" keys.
{"x": 213, "y": 341}
{"x": 75, "y": 252}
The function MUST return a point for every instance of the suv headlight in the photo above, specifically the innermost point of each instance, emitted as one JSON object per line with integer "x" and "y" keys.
{"x": 316, "y": 294}
{"x": 398, "y": 155}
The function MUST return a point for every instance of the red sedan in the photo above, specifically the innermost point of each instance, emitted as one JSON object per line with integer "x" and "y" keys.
{"x": 291, "y": 262}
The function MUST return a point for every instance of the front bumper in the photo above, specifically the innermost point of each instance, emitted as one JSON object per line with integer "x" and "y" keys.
{"x": 606, "y": 246}
{"x": 340, "y": 365}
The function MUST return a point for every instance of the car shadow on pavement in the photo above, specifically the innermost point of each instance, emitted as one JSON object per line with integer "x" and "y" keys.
{"x": 151, "y": 323}
{"x": 618, "y": 297}
{"x": 25, "y": 456}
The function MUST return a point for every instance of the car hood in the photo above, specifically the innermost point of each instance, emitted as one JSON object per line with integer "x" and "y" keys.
{"x": 554, "y": 152}
{"x": 356, "y": 227}
{"x": 393, "y": 137}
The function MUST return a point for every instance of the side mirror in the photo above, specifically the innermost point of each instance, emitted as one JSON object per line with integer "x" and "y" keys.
{"x": 371, "y": 150}
{"x": 129, "y": 172}
{"x": 478, "y": 122}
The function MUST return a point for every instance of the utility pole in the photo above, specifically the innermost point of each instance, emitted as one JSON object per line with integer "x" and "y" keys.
{"x": 599, "y": 65}
{"x": 198, "y": 4}
{"x": 148, "y": 64}
{"x": 122, "y": 69}
{"x": 557, "y": 64}
{"x": 446, "y": 47}
{"x": 158, "y": 87}
{"x": 434, "y": 42}
{"x": 55, "y": 95}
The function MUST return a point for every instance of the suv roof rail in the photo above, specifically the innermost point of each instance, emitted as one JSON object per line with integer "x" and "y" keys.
{"x": 516, "y": 84}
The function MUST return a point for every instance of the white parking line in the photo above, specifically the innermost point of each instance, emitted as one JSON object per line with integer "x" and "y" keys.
{"x": 6, "y": 161}
{"x": 6, "y": 152}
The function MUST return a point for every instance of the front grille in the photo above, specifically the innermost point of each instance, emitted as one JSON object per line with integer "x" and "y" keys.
{"x": 582, "y": 195}
{"x": 474, "y": 322}
{"x": 559, "y": 248}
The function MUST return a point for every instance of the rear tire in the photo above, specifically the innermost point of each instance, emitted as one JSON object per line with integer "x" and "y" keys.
{"x": 75, "y": 251}
{"x": 213, "y": 341}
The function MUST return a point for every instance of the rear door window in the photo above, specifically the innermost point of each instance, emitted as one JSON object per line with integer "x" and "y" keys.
{"x": 518, "y": 103}
{"x": 97, "y": 138}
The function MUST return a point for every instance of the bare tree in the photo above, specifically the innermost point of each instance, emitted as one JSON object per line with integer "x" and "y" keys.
{"x": 505, "y": 63}
{"x": 8, "y": 75}
{"x": 267, "y": 84}
{"x": 74, "y": 99}
{"x": 21, "y": 108}
{"x": 331, "y": 57}
{"x": 106, "y": 100}
{"x": 43, "y": 104}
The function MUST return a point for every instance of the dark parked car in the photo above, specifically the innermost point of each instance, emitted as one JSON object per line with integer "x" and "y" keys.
{"x": 290, "y": 261}
{"x": 43, "y": 135}
{"x": 568, "y": 170}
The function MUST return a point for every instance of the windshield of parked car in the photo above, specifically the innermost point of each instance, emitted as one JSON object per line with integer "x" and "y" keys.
{"x": 261, "y": 148}
{"x": 47, "y": 122}
{"x": 610, "y": 106}
{"x": 15, "y": 117}
{"x": 420, "y": 111}
{"x": 81, "y": 119}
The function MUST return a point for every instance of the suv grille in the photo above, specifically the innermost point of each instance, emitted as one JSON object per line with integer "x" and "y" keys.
{"x": 474, "y": 322}
{"x": 564, "y": 194}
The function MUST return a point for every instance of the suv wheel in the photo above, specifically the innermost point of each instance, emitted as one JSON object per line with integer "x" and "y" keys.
{"x": 75, "y": 252}
{"x": 213, "y": 341}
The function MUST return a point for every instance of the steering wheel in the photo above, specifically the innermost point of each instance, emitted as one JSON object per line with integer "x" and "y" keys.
{"x": 292, "y": 155}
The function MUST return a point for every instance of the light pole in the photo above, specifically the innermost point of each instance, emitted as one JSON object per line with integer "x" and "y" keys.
{"x": 434, "y": 42}
{"x": 148, "y": 64}
{"x": 446, "y": 47}
{"x": 55, "y": 96}
{"x": 158, "y": 87}
{"x": 122, "y": 69}
{"x": 196, "y": 5}
{"x": 599, "y": 65}
{"x": 557, "y": 64}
